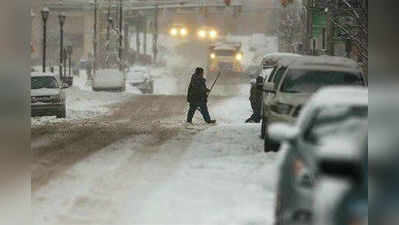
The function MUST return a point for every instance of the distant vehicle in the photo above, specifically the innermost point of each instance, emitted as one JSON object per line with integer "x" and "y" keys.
{"x": 225, "y": 55}
{"x": 66, "y": 79}
{"x": 350, "y": 203}
{"x": 83, "y": 64}
{"x": 178, "y": 31}
{"x": 142, "y": 79}
{"x": 295, "y": 84}
{"x": 109, "y": 80}
{"x": 47, "y": 96}
{"x": 335, "y": 118}
{"x": 207, "y": 33}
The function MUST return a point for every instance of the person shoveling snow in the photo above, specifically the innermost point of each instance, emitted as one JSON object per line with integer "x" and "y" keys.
{"x": 197, "y": 96}
{"x": 256, "y": 100}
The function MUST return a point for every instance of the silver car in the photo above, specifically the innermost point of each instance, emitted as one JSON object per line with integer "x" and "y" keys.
{"x": 333, "y": 117}
{"x": 294, "y": 86}
{"x": 47, "y": 96}
{"x": 344, "y": 181}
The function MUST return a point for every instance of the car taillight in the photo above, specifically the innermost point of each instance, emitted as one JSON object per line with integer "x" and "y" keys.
{"x": 298, "y": 167}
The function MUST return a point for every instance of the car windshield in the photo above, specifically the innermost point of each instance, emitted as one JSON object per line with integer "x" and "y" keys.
{"x": 344, "y": 122}
{"x": 225, "y": 52}
{"x": 43, "y": 82}
{"x": 309, "y": 81}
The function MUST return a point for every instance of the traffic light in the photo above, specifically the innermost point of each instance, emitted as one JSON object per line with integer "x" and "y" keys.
{"x": 227, "y": 2}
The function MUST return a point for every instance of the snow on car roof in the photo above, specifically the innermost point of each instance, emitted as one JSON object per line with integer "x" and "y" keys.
{"x": 278, "y": 55}
{"x": 325, "y": 63}
{"x": 340, "y": 95}
{"x": 287, "y": 60}
{"x": 41, "y": 74}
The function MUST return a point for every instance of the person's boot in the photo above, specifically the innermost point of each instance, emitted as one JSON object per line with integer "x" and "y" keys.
{"x": 211, "y": 121}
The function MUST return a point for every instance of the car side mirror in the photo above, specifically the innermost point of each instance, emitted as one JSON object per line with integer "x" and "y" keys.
{"x": 343, "y": 168}
{"x": 269, "y": 87}
{"x": 281, "y": 132}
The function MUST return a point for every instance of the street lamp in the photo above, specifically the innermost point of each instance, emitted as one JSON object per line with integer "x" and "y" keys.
{"x": 69, "y": 51}
{"x": 61, "y": 18}
{"x": 45, "y": 13}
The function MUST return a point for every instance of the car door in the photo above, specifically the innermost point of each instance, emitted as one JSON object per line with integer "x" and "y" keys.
{"x": 275, "y": 78}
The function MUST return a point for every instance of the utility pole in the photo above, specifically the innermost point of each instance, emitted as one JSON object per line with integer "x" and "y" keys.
{"x": 120, "y": 35}
{"x": 109, "y": 20}
{"x": 138, "y": 38}
{"x": 95, "y": 39}
{"x": 145, "y": 36}
{"x": 155, "y": 36}
{"x": 61, "y": 18}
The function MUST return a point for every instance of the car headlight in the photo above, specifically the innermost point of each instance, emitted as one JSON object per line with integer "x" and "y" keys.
{"x": 173, "y": 32}
{"x": 183, "y": 32}
{"x": 281, "y": 108}
{"x": 202, "y": 34}
{"x": 239, "y": 56}
{"x": 213, "y": 55}
{"x": 213, "y": 34}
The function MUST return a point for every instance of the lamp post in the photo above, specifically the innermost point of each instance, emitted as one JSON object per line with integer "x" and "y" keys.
{"x": 69, "y": 51}
{"x": 61, "y": 18}
{"x": 65, "y": 56}
{"x": 120, "y": 35}
{"x": 95, "y": 38}
{"x": 45, "y": 13}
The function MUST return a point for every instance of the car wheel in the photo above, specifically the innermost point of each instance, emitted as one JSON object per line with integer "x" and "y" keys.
{"x": 262, "y": 130}
{"x": 266, "y": 138}
{"x": 61, "y": 114}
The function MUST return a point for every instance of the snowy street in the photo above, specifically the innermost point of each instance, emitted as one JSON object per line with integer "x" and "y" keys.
{"x": 134, "y": 161}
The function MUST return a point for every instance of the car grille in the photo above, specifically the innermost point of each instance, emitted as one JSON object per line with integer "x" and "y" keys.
{"x": 297, "y": 111}
{"x": 44, "y": 99}
{"x": 225, "y": 66}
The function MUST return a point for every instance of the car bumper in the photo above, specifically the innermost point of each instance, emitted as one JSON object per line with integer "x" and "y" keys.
{"x": 274, "y": 117}
{"x": 46, "y": 109}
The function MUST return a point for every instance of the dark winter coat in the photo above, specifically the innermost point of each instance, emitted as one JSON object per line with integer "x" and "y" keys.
{"x": 256, "y": 97}
{"x": 197, "y": 90}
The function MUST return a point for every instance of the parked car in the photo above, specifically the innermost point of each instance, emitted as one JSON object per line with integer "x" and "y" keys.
{"x": 295, "y": 84}
{"x": 383, "y": 156}
{"x": 278, "y": 70}
{"x": 109, "y": 80}
{"x": 141, "y": 78}
{"x": 344, "y": 177}
{"x": 47, "y": 96}
{"x": 333, "y": 115}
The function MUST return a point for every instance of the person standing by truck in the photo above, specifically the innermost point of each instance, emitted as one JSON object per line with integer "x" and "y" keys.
{"x": 256, "y": 100}
{"x": 197, "y": 96}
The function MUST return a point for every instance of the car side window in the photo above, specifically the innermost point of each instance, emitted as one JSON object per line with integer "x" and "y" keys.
{"x": 279, "y": 76}
{"x": 272, "y": 74}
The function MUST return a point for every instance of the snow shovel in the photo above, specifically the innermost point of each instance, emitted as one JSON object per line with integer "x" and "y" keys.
{"x": 213, "y": 85}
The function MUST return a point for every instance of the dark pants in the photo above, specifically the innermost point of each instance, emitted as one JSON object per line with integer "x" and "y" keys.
{"x": 255, "y": 117}
{"x": 203, "y": 108}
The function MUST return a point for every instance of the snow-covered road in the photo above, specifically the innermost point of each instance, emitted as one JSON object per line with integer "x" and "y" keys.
{"x": 206, "y": 175}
